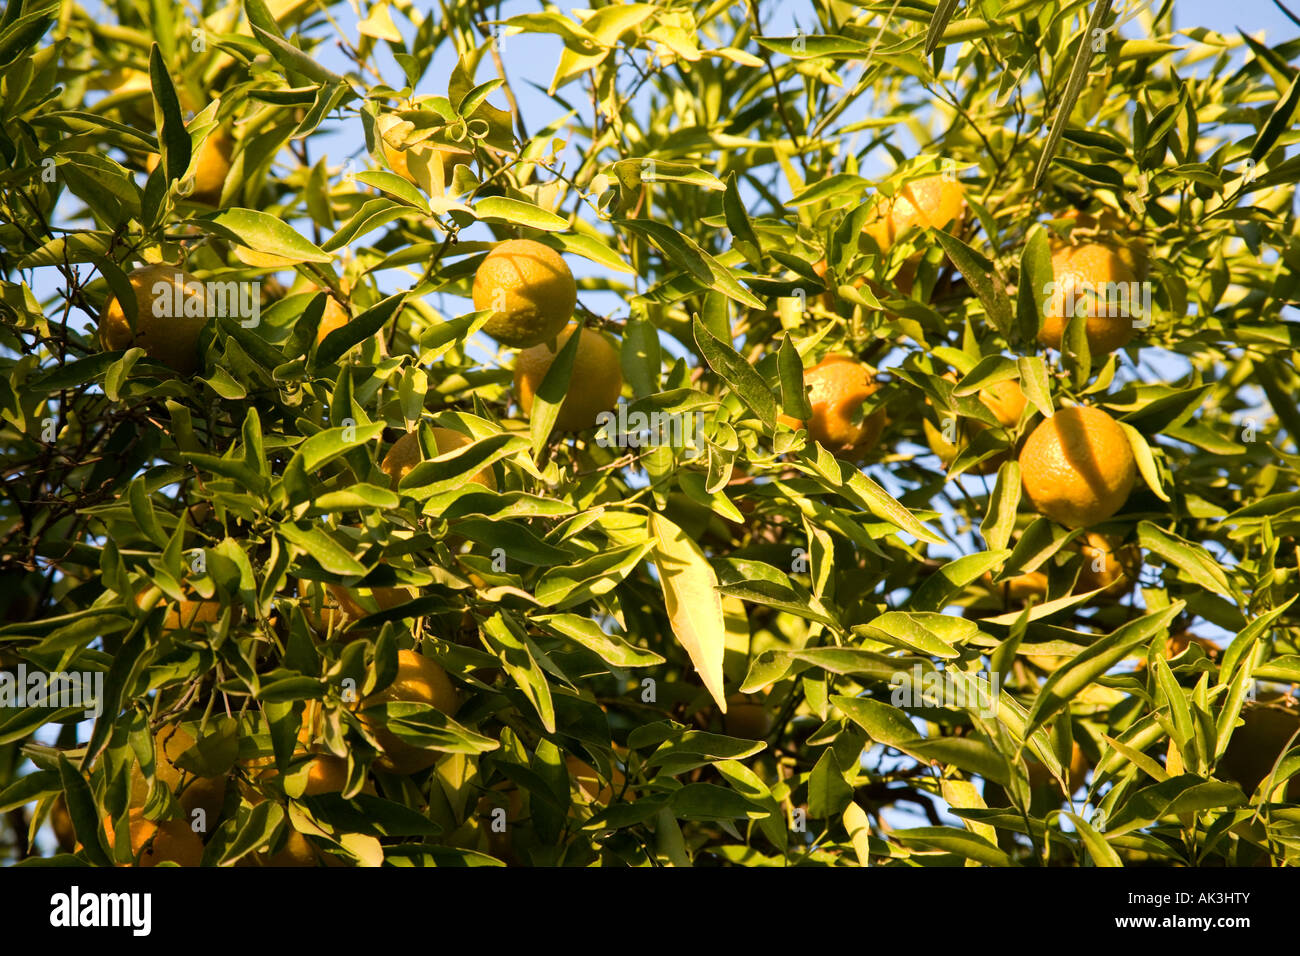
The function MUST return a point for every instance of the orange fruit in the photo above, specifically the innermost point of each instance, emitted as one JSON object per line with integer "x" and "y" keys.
{"x": 171, "y": 310}
{"x": 193, "y": 792}
{"x": 326, "y": 773}
{"x": 421, "y": 680}
{"x": 1078, "y": 774}
{"x": 1175, "y": 644}
{"x": 1032, "y": 585}
{"x": 838, "y": 386}
{"x": 500, "y": 843}
{"x": 1095, "y": 279}
{"x": 171, "y": 841}
{"x": 61, "y": 824}
{"x": 1267, "y": 727}
{"x": 746, "y": 717}
{"x": 593, "y": 388}
{"x": 405, "y": 455}
{"x": 1004, "y": 399}
{"x": 426, "y": 164}
{"x": 588, "y": 780}
{"x": 1109, "y": 228}
{"x": 212, "y": 170}
{"x": 341, "y": 606}
{"x": 529, "y": 290}
{"x": 929, "y": 202}
{"x": 1077, "y": 467}
{"x": 1106, "y": 565}
{"x": 334, "y": 317}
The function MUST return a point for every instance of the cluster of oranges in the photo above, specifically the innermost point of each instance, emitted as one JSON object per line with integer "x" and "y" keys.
{"x": 1077, "y": 467}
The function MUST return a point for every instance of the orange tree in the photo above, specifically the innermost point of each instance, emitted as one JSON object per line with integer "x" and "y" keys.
{"x": 948, "y": 511}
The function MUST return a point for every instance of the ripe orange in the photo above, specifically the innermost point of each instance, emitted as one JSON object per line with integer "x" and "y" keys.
{"x": 427, "y": 164}
{"x": 593, "y": 388}
{"x": 746, "y": 717}
{"x": 418, "y": 679}
{"x": 1109, "y": 228}
{"x": 326, "y": 773}
{"x": 588, "y": 780}
{"x": 165, "y": 335}
{"x": 500, "y": 842}
{"x": 1175, "y": 644}
{"x": 334, "y": 317}
{"x": 838, "y": 386}
{"x": 1267, "y": 727}
{"x": 929, "y": 202}
{"x": 529, "y": 290}
{"x": 61, "y": 824}
{"x": 1107, "y": 565}
{"x": 1095, "y": 279}
{"x": 212, "y": 170}
{"x": 1077, "y": 467}
{"x": 1078, "y": 771}
{"x": 341, "y": 606}
{"x": 186, "y": 614}
{"x": 1030, "y": 586}
{"x": 1004, "y": 399}
{"x": 405, "y": 455}
{"x": 171, "y": 841}
{"x": 192, "y": 792}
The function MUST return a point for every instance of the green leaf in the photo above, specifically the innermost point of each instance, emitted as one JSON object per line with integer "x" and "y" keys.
{"x": 961, "y": 842}
{"x": 611, "y": 648}
{"x": 687, "y": 254}
{"x": 373, "y": 214}
{"x": 692, "y": 602}
{"x": 1190, "y": 558}
{"x": 706, "y": 801}
{"x": 173, "y": 138}
{"x": 518, "y": 661}
{"x": 983, "y": 278}
{"x": 943, "y": 12}
{"x": 395, "y": 186}
{"x": 327, "y": 552}
{"x": 520, "y": 213}
{"x": 1036, "y": 383}
{"x": 359, "y": 329}
{"x": 1000, "y": 517}
{"x": 84, "y": 812}
{"x": 1278, "y": 121}
{"x": 743, "y": 237}
{"x": 742, "y": 377}
{"x": 1036, "y": 275}
{"x": 1145, "y": 462}
{"x": 1073, "y": 86}
{"x": 552, "y": 393}
{"x": 828, "y": 794}
{"x": 295, "y": 60}
{"x": 1067, "y": 682}
{"x": 794, "y": 399}
{"x": 891, "y": 727}
{"x": 261, "y": 233}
